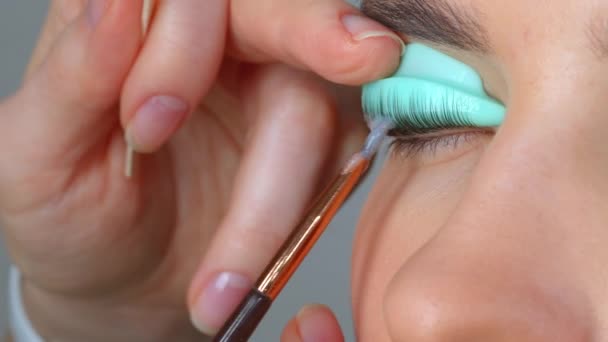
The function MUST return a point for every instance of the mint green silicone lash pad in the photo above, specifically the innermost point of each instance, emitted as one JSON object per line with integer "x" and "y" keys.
{"x": 437, "y": 79}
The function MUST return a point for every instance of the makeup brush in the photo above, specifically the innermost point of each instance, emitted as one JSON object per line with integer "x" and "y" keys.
{"x": 245, "y": 319}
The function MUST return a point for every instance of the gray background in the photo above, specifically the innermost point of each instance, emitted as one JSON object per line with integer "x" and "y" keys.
{"x": 324, "y": 276}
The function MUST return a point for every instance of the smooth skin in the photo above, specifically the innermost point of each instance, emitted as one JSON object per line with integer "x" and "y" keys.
{"x": 500, "y": 237}
{"x": 503, "y": 237}
{"x": 232, "y": 109}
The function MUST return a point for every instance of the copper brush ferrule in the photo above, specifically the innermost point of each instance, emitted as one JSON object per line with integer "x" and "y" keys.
{"x": 245, "y": 319}
{"x": 303, "y": 238}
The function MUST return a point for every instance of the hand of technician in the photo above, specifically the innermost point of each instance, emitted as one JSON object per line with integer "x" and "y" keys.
{"x": 241, "y": 131}
{"x": 313, "y": 323}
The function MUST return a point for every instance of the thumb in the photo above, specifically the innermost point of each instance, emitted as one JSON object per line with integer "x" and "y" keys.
{"x": 66, "y": 102}
{"x": 313, "y": 323}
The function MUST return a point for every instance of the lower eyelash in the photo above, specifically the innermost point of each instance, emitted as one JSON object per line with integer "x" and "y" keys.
{"x": 409, "y": 146}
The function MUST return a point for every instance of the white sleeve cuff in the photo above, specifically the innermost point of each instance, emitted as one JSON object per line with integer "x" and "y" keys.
{"x": 21, "y": 327}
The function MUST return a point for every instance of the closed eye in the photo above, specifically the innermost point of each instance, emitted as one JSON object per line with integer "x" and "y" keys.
{"x": 408, "y": 144}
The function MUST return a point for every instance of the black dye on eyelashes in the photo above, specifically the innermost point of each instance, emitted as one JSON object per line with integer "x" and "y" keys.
{"x": 421, "y": 116}
{"x": 425, "y": 126}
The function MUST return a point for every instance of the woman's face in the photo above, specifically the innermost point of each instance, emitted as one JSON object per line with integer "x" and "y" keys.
{"x": 498, "y": 237}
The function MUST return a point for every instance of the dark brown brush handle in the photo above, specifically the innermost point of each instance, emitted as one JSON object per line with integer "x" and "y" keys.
{"x": 243, "y": 322}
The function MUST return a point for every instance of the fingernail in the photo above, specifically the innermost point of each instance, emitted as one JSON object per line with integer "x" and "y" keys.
{"x": 95, "y": 10}
{"x": 361, "y": 28}
{"x": 218, "y": 300}
{"x": 310, "y": 325}
{"x": 154, "y": 122}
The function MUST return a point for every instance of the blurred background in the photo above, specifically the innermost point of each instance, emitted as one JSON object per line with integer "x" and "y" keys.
{"x": 323, "y": 278}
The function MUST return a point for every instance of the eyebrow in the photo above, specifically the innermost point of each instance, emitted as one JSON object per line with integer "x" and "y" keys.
{"x": 436, "y": 21}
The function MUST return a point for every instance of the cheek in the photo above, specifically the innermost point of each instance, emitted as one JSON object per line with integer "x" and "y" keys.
{"x": 407, "y": 207}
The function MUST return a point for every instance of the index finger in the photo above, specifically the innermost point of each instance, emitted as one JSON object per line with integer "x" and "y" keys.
{"x": 174, "y": 70}
{"x": 329, "y": 37}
